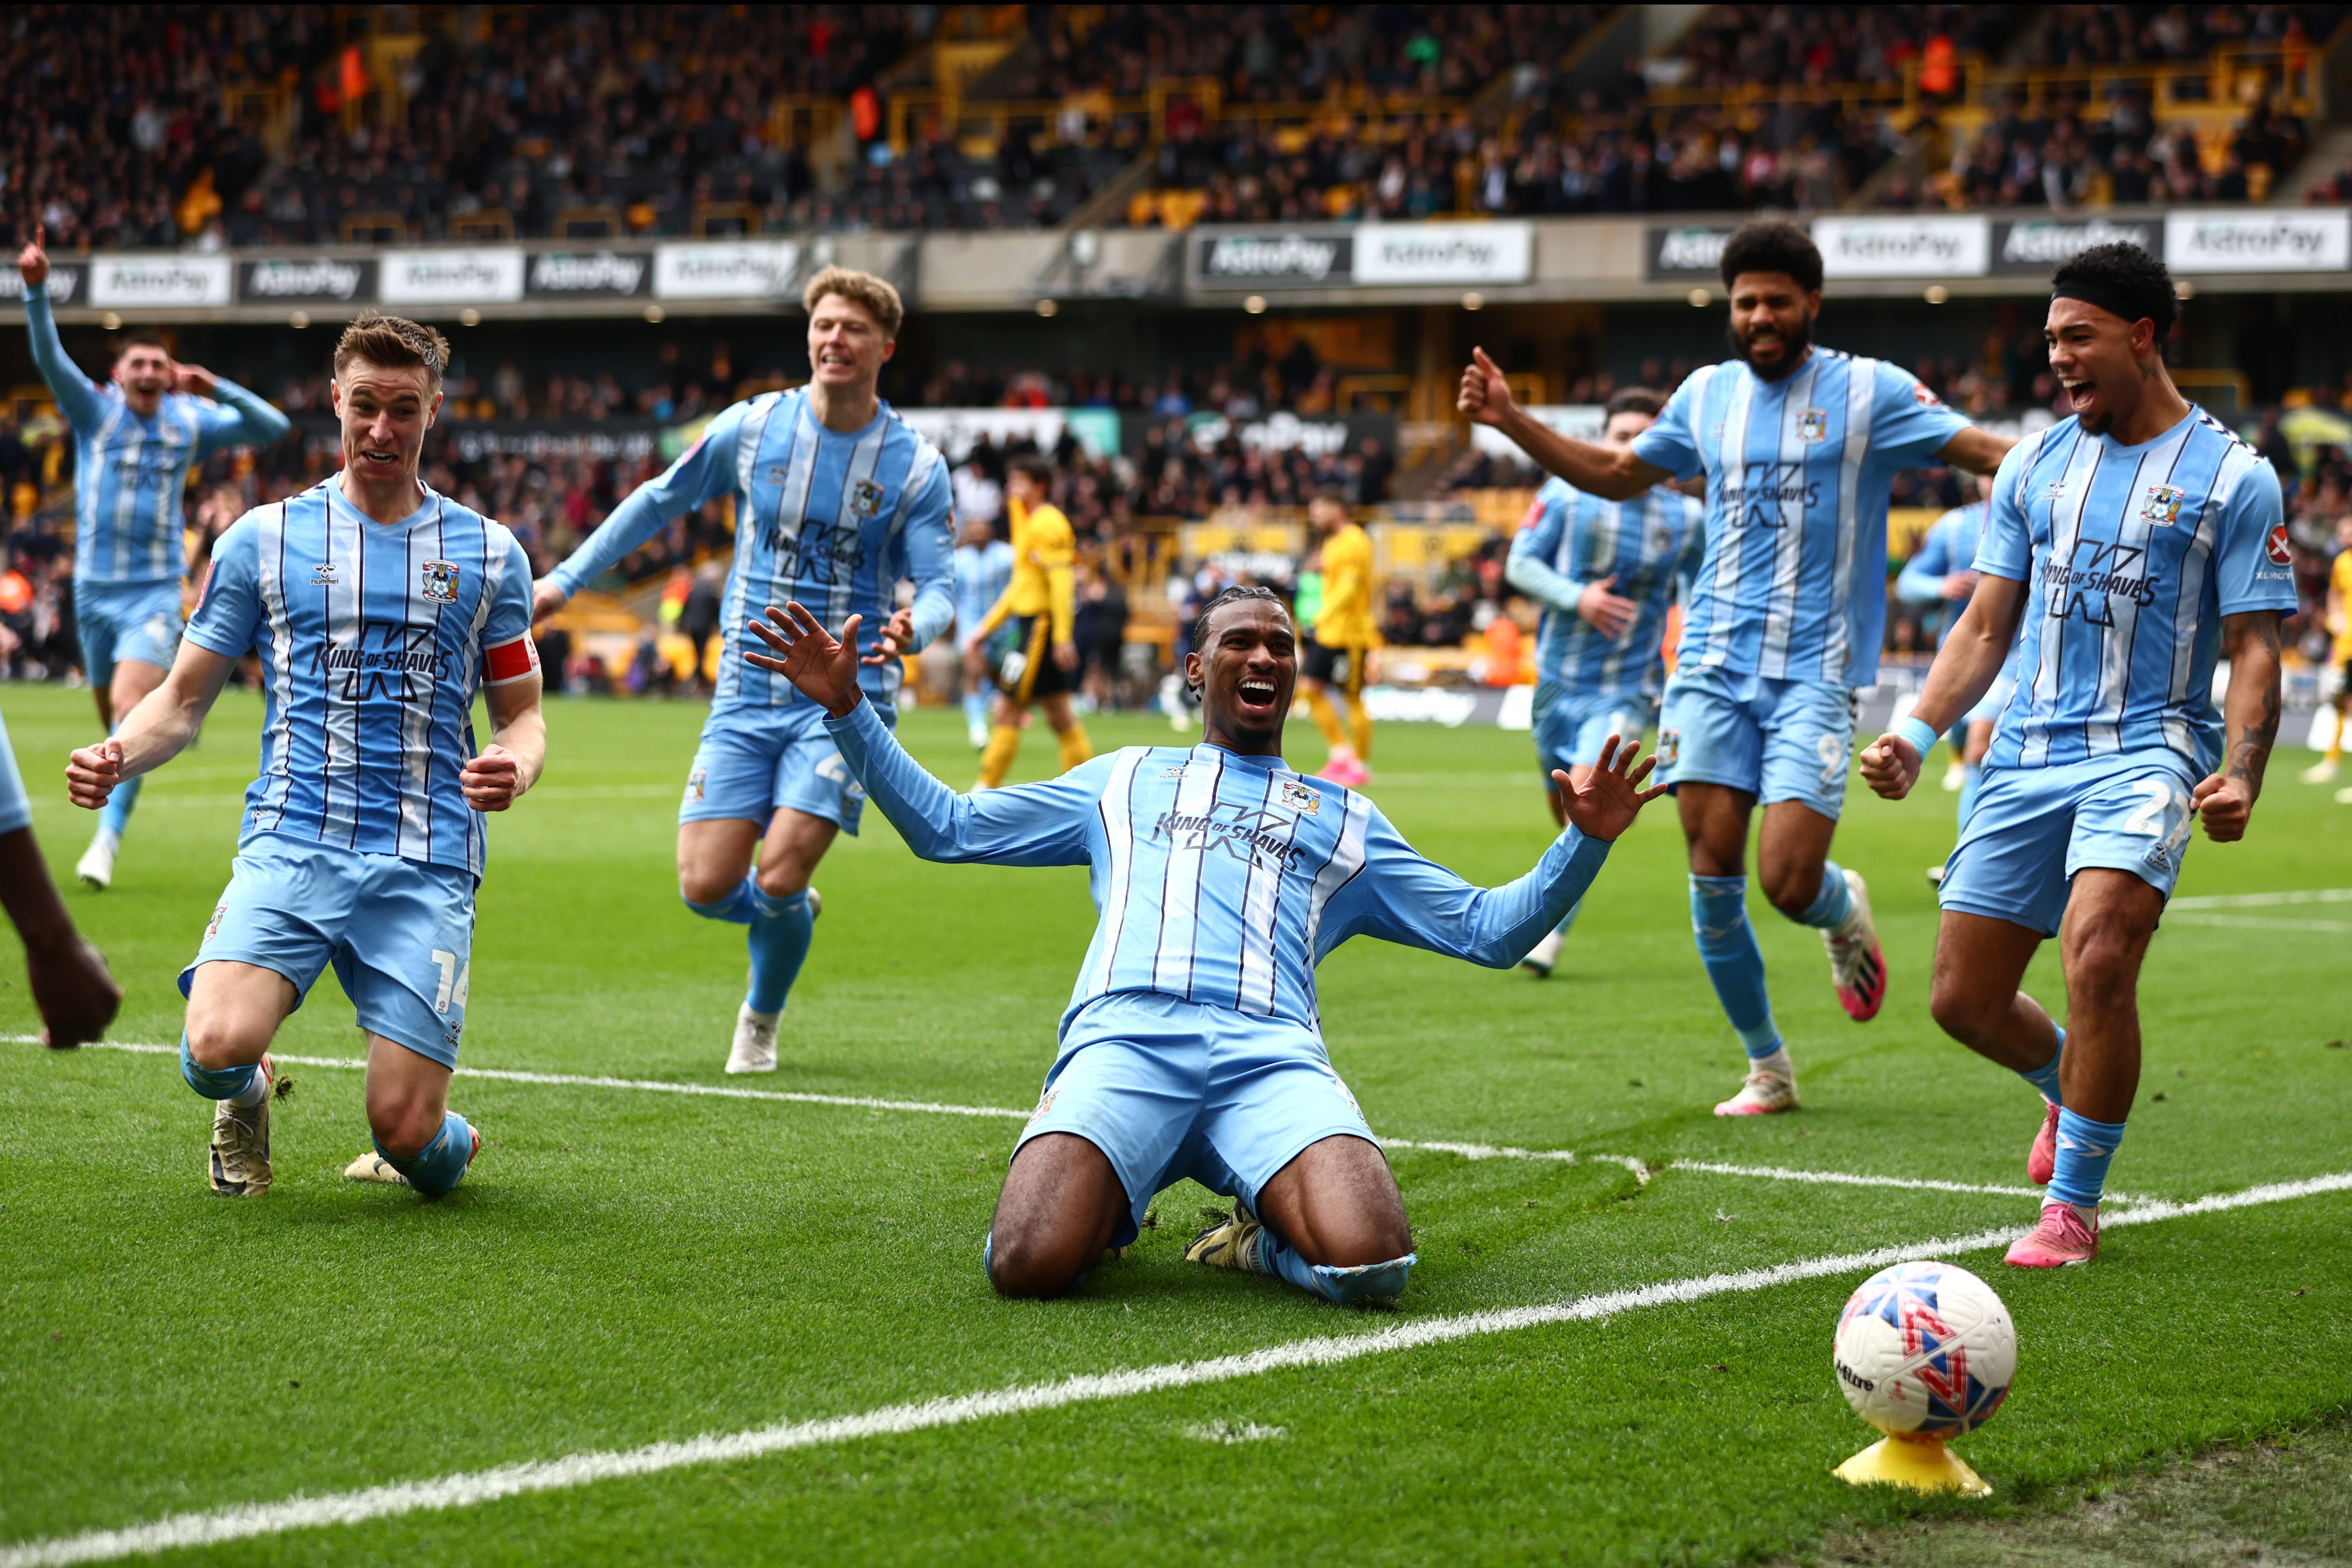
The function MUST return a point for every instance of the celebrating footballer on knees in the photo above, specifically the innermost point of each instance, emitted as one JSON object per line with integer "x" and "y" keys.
{"x": 1192, "y": 1044}
{"x": 134, "y": 442}
{"x": 378, "y": 608}
{"x": 1040, "y": 600}
{"x": 837, "y": 499}
{"x": 1799, "y": 444}
{"x": 1340, "y": 640}
{"x": 1606, "y": 573}
{"x": 2127, "y": 548}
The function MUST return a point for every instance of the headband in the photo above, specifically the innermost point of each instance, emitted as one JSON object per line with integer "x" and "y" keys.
{"x": 2106, "y": 298}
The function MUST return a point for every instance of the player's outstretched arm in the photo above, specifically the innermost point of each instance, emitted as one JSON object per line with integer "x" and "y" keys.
{"x": 2251, "y": 711}
{"x": 1978, "y": 451}
{"x": 1613, "y": 472}
{"x": 1404, "y": 897}
{"x": 703, "y": 473}
{"x": 158, "y": 729}
{"x": 1033, "y": 824}
{"x": 243, "y": 419}
{"x": 78, "y": 396}
{"x": 1965, "y": 669}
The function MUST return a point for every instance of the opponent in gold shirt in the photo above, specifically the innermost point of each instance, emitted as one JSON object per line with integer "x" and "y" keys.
{"x": 1343, "y": 630}
{"x": 1043, "y": 666}
{"x": 2339, "y": 620}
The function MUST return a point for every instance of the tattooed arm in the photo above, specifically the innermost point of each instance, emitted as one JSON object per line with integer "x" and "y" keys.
{"x": 2251, "y": 711}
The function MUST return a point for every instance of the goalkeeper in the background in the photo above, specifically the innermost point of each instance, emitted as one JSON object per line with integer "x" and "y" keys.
{"x": 1341, "y": 640}
{"x": 1042, "y": 603}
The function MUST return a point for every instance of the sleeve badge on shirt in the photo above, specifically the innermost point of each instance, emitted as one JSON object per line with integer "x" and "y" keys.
{"x": 1926, "y": 399}
{"x": 1302, "y": 799}
{"x": 441, "y": 581}
{"x": 1813, "y": 425}
{"x": 865, "y": 498}
{"x": 2162, "y": 505}
{"x": 2276, "y": 547}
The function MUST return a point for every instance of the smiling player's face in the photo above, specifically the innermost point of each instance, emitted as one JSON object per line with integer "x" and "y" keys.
{"x": 1246, "y": 675}
{"x": 846, "y": 345}
{"x": 385, "y": 412}
{"x": 1771, "y": 321}
{"x": 144, "y": 373}
{"x": 2095, "y": 355}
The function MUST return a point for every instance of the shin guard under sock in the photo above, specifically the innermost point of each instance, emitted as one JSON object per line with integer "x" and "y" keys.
{"x": 1727, "y": 945}
{"x": 740, "y": 907}
{"x": 115, "y": 815}
{"x": 439, "y": 1165}
{"x": 779, "y": 941}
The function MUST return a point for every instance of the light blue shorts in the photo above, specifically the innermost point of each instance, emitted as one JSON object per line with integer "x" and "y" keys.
{"x": 399, "y": 932}
{"x": 119, "y": 621}
{"x": 1571, "y": 727}
{"x": 752, "y": 760}
{"x": 2033, "y": 828}
{"x": 1777, "y": 740}
{"x": 1170, "y": 1089}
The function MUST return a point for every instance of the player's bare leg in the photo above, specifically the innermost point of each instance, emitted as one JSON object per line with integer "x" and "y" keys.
{"x": 134, "y": 679}
{"x": 1061, "y": 1202}
{"x": 716, "y": 880}
{"x": 1792, "y": 860}
{"x": 234, "y": 1011}
{"x": 1331, "y": 1221}
{"x": 1980, "y": 963}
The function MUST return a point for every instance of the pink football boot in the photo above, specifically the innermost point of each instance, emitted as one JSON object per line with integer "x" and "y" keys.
{"x": 2043, "y": 1162}
{"x": 2058, "y": 1242}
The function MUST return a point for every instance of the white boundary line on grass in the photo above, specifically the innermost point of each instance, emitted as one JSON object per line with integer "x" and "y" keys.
{"x": 2262, "y": 900}
{"x": 470, "y": 1489}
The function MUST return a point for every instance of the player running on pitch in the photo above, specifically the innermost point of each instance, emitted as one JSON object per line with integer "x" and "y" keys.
{"x": 134, "y": 442}
{"x": 378, "y": 608}
{"x": 1799, "y": 444}
{"x": 836, "y": 500}
{"x": 1342, "y": 634}
{"x": 1605, "y": 572}
{"x": 1193, "y": 1045}
{"x": 1040, "y": 600}
{"x": 984, "y": 567}
{"x": 2133, "y": 543}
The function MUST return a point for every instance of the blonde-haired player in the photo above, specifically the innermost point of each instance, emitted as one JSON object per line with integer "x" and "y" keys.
{"x": 1042, "y": 601}
{"x": 1343, "y": 630}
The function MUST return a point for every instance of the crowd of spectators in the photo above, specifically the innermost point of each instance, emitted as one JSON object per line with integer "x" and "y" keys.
{"x": 1803, "y": 46}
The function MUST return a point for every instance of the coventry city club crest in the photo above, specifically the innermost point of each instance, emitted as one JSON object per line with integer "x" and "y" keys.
{"x": 866, "y": 498}
{"x": 1300, "y": 799}
{"x": 1813, "y": 425}
{"x": 2162, "y": 506}
{"x": 441, "y": 581}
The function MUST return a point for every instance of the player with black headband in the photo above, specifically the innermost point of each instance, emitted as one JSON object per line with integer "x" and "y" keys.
{"x": 2127, "y": 548}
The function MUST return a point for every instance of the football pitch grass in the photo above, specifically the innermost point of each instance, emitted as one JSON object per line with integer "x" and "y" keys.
{"x": 1588, "y": 1366}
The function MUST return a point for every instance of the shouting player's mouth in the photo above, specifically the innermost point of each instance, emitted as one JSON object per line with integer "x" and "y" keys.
{"x": 1255, "y": 696}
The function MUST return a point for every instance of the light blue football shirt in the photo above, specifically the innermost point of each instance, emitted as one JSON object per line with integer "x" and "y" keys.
{"x": 373, "y": 640}
{"x": 1793, "y": 583}
{"x": 981, "y": 573}
{"x": 830, "y": 521}
{"x": 2133, "y": 554}
{"x": 1651, "y": 544}
{"x": 130, "y": 472}
{"x": 1218, "y": 879}
{"x": 1950, "y": 545}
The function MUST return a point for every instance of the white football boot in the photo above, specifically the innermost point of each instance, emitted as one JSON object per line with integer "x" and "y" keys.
{"x": 96, "y": 866}
{"x": 238, "y": 1166}
{"x": 1761, "y": 1094}
{"x": 1856, "y": 965}
{"x": 754, "y": 1048}
{"x": 374, "y": 1166}
{"x": 1544, "y": 956}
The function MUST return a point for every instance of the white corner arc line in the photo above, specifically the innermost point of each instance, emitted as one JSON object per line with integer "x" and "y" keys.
{"x": 468, "y": 1490}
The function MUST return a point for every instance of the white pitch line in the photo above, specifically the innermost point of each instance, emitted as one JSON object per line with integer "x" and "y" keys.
{"x": 1505, "y": 1152}
{"x": 467, "y": 1489}
{"x": 2259, "y": 923}
{"x": 2262, "y": 900}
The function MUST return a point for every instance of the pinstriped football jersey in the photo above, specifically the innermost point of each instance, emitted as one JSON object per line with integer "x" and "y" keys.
{"x": 1648, "y": 544}
{"x": 832, "y": 520}
{"x": 372, "y": 640}
{"x": 1793, "y": 583}
{"x": 2132, "y": 555}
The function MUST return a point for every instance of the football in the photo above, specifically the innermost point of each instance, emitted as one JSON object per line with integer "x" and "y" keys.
{"x": 1924, "y": 1349}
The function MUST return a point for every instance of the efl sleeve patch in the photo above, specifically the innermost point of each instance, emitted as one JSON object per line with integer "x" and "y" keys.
{"x": 510, "y": 661}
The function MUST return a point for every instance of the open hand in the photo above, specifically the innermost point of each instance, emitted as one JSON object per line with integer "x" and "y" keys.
{"x": 2225, "y": 803}
{"x": 822, "y": 668}
{"x": 1890, "y": 767}
{"x": 33, "y": 261}
{"x": 1485, "y": 397}
{"x": 72, "y": 988}
{"x": 491, "y": 781}
{"x": 92, "y": 772}
{"x": 1612, "y": 796}
{"x": 895, "y": 640}
{"x": 547, "y": 596}
{"x": 1607, "y": 612}
{"x": 195, "y": 379}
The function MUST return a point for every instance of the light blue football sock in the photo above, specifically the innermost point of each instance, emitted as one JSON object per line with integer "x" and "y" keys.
{"x": 1971, "y": 776}
{"x": 2085, "y": 1148}
{"x": 738, "y": 908}
{"x": 2045, "y": 1077}
{"x": 115, "y": 815}
{"x": 975, "y": 708}
{"x": 214, "y": 1082}
{"x": 1368, "y": 1282}
{"x": 441, "y": 1163}
{"x": 779, "y": 941}
{"x": 1727, "y": 945}
{"x": 1832, "y": 903}
{"x": 1569, "y": 919}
